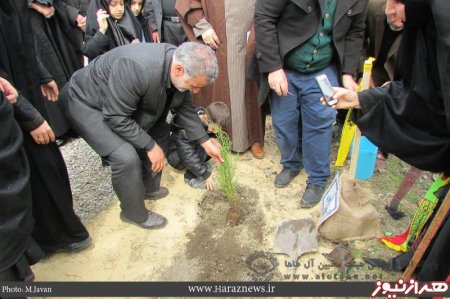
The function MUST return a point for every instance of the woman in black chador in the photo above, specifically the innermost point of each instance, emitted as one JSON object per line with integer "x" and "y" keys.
{"x": 109, "y": 24}
{"x": 17, "y": 249}
{"x": 137, "y": 8}
{"x": 56, "y": 228}
{"x": 58, "y": 49}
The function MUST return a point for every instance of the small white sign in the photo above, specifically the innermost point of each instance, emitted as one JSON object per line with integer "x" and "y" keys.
{"x": 330, "y": 200}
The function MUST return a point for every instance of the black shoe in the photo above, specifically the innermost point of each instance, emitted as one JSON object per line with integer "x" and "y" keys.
{"x": 153, "y": 221}
{"x": 312, "y": 196}
{"x": 285, "y": 177}
{"x": 63, "y": 139}
{"x": 396, "y": 214}
{"x": 158, "y": 194}
{"x": 105, "y": 162}
{"x": 77, "y": 246}
{"x": 198, "y": 183}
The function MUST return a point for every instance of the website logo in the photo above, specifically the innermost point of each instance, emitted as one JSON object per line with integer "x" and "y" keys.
{"x": 413, "y": 287}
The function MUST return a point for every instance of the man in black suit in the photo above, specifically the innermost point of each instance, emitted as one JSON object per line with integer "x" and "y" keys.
{"x": 119, "y": 104}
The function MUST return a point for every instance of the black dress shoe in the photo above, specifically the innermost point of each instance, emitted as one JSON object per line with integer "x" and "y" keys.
{"x": 158, "y": 194}
{"x": 153, "y": 221}
{"x": 77, "y": 246}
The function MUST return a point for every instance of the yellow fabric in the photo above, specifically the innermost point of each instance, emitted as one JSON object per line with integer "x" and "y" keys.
{"x": 400, "y": 248}
{"x": 348, "y": 131}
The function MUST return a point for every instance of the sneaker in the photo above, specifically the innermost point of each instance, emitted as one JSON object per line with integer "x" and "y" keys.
{"x": 312, "y": 196}
{"x": 198, "y": 183}
{"x": 285, "y": 177}
{"x": 158, "y": 194}
{"x": 76, "y": 246}
{"x": 153, "y": 221}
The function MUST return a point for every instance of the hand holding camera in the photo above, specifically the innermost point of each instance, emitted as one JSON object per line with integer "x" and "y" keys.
{"x": 326, "y": 89}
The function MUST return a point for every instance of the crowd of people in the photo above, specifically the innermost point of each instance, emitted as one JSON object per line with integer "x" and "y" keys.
{"x": 203, "y": 61}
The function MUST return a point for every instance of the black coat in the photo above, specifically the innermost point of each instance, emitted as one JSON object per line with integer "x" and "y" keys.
{"x": 15, "y": 193}
{"x": 283, "y": 25}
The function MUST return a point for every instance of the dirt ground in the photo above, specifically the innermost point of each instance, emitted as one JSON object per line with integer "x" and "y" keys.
{"x": 196, "y": 245}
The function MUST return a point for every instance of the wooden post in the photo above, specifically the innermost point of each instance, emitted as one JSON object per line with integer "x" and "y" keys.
{"x": 355, "y": 153}
{"x": 428, "y": 237}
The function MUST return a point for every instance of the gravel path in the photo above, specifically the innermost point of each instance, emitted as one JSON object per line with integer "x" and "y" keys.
{"x": 90, "y": 181}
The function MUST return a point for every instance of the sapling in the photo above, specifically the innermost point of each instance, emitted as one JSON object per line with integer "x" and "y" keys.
{"x": 226, "y": 176}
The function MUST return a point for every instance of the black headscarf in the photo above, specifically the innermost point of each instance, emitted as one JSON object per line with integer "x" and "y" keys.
{"x": 143, "y": 21}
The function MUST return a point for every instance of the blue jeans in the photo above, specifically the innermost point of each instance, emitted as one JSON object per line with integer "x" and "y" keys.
{"x": 303, "y": 127}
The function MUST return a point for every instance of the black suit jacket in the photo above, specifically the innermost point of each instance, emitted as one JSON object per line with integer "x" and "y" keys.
{"x": 120, "y": 95}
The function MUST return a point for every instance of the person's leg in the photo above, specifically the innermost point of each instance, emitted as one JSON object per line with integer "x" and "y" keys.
{"x": 173, "y": 157}
{"x": 317, "y": 123}
{"x": 126, "y": 174}
{"x": 381, "y": 161}
{"x": 408, "y": 181}
{"x": 190, "y": 178}
{"x": 160, "y": 132}
{"x": 151, "y": 180}
{"x": 285, "y": 119}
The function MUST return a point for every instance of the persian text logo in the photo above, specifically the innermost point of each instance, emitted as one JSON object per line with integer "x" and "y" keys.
{"x": 413, "y": 287}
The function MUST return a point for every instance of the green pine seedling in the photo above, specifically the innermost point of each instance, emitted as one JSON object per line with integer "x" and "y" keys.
{"x": 226, "y": 170}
